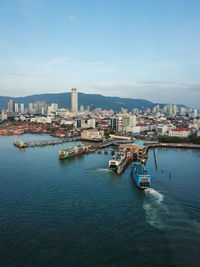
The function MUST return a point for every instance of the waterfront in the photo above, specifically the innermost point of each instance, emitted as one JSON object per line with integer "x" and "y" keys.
{"x": 76, "y": 212}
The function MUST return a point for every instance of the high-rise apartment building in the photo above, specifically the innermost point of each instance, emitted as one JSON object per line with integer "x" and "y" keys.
{"x": 31, "y": 108}
{"x": 81, "y": 108}
{"x": 11, "y": 106}
{"x": 183, "y": 111}
{"x": 74, "y": 100}
{"x": 195, "y": 113}
{"x": 22, "y": 107}
{"x": 16, "y": 107}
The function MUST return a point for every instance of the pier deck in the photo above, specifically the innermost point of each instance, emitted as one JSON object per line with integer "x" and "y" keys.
{"x": 25, "y": 144}
{"x": 124, "y": 165}
{"x": 172, "y": 145}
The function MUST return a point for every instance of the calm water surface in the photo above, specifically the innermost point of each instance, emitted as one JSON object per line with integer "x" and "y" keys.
{"x": 77, "y": 213}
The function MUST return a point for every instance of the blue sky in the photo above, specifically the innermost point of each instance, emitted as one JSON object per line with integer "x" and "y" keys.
{"x": 130, "y": 48}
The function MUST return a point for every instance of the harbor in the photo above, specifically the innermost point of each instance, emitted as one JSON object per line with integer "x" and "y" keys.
{"x": 132, "y": 152}
{"x": 102, "y": 212}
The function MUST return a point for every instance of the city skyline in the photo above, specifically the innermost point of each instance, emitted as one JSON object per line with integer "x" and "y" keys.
{"x": 121, "y": 48}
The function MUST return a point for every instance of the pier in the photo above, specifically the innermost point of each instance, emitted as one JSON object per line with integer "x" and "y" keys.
{"x": 123, "y": 165}
{"x": 40, "y": 143}
{"x": 108, "y": 143}
{"x": 171, "y": 145}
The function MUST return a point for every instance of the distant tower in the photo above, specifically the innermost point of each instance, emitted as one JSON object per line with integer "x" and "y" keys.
{"x": 11, "y": 106}
{"x": 22, "y": 107}
{"x": 74, "y": 100}
{"x": 16, "y": 107}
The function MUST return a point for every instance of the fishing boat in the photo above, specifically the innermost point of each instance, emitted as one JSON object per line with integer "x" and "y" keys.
{"x": 116, "y": 160}
{"x": 140, "y": 175}
{"x": 65, "y": 153}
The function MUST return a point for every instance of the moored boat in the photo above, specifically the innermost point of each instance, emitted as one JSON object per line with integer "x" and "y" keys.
{"x": 116, "y": 160}
{"x": 140, "y": 175}
{"x": 65, "y": 153}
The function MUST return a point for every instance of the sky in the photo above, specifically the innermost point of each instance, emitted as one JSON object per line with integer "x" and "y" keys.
{"x": 147, "y": 49}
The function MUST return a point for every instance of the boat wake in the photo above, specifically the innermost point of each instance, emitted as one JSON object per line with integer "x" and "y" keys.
{"x": 104, "y": 170}
{"x": 154, "y": 208}
{"x": 169, "y": 216}
{"x": 152, "y": 192}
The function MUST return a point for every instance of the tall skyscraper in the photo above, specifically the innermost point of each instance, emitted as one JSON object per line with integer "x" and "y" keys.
{"x": 16, "y": 107}
{"x": 11, "y": 106}
{"x": 74, "y": 100}
{"x": 31, "y": 108}
{"x": 22, "y": 107}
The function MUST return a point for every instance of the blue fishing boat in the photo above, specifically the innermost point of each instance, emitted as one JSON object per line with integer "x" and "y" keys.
{"x": 140, "y": 175}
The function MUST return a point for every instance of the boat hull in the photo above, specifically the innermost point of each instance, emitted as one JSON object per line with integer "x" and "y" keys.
{"x": 70, "y": 153}
{"x": 140, "y": 176}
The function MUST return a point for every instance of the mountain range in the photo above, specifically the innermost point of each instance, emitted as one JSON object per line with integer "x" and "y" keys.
{"x": 99, "y": 101}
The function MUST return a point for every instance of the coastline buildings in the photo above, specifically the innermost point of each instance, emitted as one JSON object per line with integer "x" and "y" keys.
{"x": 74, "y": 100}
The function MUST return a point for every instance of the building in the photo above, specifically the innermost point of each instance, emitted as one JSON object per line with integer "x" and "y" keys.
{"x": 11, "y": 106}
{"x": 81, "y": 108}
{"x": 40, "y": 107}
{"x": 115, "y": 123}
{"x": 180, "y": 132}
{"x": 3, "y": 115}
{"x": 183, "y": 111}
{"x": 22, "y": 108}
{"x": 91, "y": 135}
{"x": 31, "y": 108}
{"x": 91, "y": 123}
{"x": 195, "y": 115}
{"x": 16, "y": 107}
{"x": 78, "y": 123}
{"x": 92, "y": 107}
{"x": 162, "y": 129}
{"x": 52, "y": 108}
{"x": 74, "y": 100}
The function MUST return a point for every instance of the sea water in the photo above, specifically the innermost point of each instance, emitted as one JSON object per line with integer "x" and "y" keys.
{"x": 76, "y": 212}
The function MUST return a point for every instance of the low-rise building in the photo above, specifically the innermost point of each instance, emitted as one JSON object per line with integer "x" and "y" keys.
{"x": 91, "y": 135}
{"x": 180, "y": 132}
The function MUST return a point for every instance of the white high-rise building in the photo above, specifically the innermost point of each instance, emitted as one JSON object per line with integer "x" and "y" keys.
{"x": 31, "y": 108}
{"x": 74, "y": 100}
{"x": 183, "y": 111}
{"x": 195, "y": 113}
{"x": 16, "y": 107}
{"x": 11, "y": 106}
{"x": 22, "y": 107}
{"x": 81, "y": 108}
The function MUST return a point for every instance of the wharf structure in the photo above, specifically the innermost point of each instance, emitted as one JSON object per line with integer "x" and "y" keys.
{"x": 170, "y": 145}
{"x": 25, "y": 144}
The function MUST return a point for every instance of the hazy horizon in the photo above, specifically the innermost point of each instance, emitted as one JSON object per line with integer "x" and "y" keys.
{"x": 126, "y": 48}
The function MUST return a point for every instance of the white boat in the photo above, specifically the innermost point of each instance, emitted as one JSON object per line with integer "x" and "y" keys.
{"x": 116, "y": 160}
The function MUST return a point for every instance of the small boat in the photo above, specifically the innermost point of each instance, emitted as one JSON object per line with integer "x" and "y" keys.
{"x": 140, "y": 175}
{"x": 116, "y": 160}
